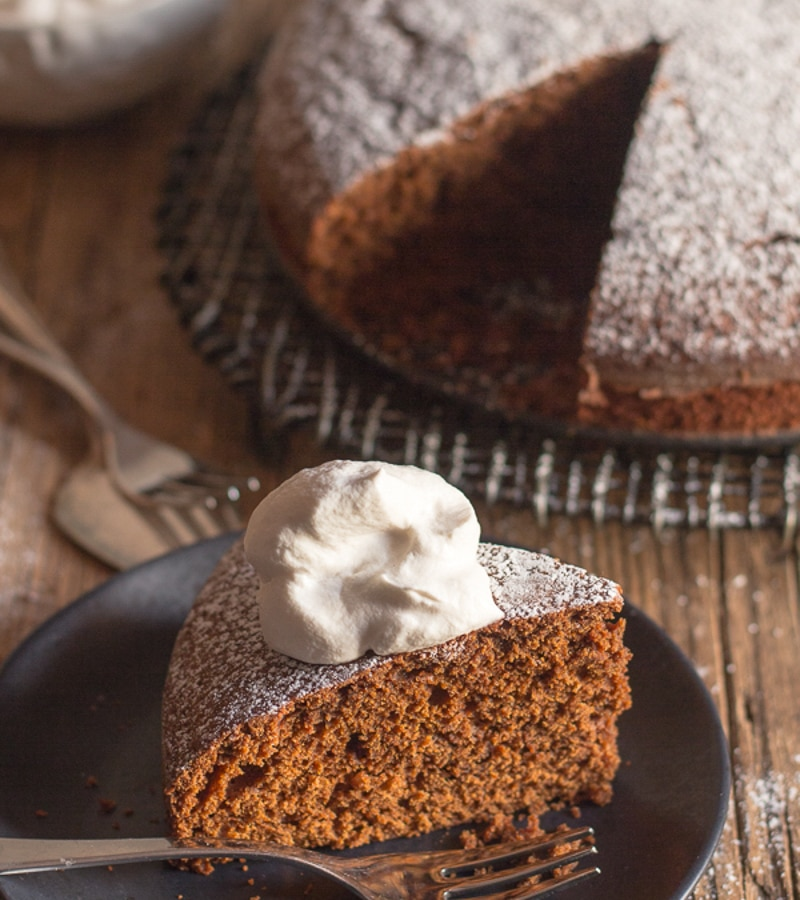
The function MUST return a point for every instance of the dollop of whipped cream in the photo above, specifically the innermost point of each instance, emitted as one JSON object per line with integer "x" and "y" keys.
{"x": 359, "y": 556}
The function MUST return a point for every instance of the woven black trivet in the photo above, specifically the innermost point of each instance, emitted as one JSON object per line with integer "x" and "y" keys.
{"x": 245, "y": 315}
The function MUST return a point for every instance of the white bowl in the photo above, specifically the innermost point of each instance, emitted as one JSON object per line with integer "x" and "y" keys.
{"x": 66, "y": 60}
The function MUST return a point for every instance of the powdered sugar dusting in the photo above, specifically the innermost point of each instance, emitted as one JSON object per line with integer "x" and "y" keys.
{"x": 223, "y": 673}
{"x": 528, "y": 585}
{"x": 704, "y": 264}
{"x": 703, "y": 269}
{"x": 351, "y": 84}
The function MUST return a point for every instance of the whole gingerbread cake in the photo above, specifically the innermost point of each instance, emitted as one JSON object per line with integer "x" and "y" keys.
{"x": 517, "y": 714}
{"x": 588, "y": 210}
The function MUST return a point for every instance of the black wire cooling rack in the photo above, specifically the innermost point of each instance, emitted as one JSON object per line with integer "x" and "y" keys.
{"x": 245, "y": 314}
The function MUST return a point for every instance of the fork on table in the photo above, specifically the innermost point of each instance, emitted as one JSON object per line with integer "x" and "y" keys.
{"x": 519, "y": 870}
{"x": 180, "y": 498}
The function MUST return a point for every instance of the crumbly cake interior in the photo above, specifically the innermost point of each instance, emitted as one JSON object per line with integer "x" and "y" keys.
{"x": 517, "y": 716}
{"x": 690, "y": 324}
{"x": 509, "y": 214}
{"x": 721, "y": 410}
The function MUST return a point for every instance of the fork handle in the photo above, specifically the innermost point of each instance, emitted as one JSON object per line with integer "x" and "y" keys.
{"x": 19, "y": 855}
{"x": 379, "y": 876}
{"x": 31, "y": 344}
{"x": 24, "y": 855}
{"x": 65, "y": 376}
{"x": 20, "y": 316}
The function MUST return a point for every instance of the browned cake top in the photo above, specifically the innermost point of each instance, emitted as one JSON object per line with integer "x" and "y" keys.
{"x": 223, "y": 673}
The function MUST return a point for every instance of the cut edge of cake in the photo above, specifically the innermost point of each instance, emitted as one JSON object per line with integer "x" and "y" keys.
{"x": 382, "y": 260}
{"x": 257, "y": 745}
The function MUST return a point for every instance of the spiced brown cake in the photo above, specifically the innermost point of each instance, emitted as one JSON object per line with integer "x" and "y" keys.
{"x": 585, "y": 209}
{"x": 519, "y": 715}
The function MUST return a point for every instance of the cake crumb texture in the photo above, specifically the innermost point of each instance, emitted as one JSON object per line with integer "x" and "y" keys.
{"x": 519, "y": 715}
{"x": 383, "y": 122}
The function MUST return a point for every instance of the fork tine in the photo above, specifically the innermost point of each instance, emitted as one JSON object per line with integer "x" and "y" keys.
{"x": 228, "y": 515}
{"x": 508, "y": 884}
{"x": 170, "y": 525}
{"x": 187, "y": 524}
{"x": 537, "y": 891}
{"x": 498, "y": 873}
{"x": 550, "y": 886}
{"x": 208, "y": 520}
{"x": 202, "y": 486}
{"x": 458, "y": 863}
{"x": 232, "y": 486}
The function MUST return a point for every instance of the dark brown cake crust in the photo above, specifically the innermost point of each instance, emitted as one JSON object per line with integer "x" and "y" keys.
{"x": 517, "y": 716}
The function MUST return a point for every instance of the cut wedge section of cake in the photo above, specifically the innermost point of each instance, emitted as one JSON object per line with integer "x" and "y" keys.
{"x": 475, "y": 251}
{"x": 517, "y": 715}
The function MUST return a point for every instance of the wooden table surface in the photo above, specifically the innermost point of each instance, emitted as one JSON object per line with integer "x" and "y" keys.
{"x": 77, "y": 221}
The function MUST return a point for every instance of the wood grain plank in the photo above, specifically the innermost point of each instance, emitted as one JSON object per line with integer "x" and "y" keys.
{"x": 764, "y": 671}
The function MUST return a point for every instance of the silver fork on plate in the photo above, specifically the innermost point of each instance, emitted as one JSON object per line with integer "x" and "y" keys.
{"x": 180, "y": 498}
{"x": 500, "y": 872}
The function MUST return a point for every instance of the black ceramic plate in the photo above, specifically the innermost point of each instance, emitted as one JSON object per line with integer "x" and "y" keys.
{"x": 80, "y": 734}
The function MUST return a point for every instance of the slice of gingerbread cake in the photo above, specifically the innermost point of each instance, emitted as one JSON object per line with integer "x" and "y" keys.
{"x": 460, "y": 681}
